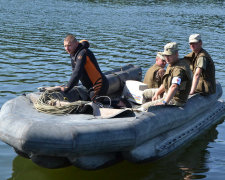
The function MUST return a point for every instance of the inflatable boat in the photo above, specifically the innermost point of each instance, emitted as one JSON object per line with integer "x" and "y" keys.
{"x": 90, "y": 142}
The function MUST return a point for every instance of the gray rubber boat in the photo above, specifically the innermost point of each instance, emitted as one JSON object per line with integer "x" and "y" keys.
{"x": 87, "y": 142}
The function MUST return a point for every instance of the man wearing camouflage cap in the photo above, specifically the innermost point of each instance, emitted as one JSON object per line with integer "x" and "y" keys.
{"x": 202, "y": 67}
{"x": 177, "y": 80}
{"x": 153, "y": 77}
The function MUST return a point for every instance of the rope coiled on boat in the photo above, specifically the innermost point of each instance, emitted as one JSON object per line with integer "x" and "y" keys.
{"x": 53, "y": 102}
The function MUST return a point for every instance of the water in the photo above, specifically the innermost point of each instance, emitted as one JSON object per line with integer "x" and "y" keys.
{"x": 120, "y": 32}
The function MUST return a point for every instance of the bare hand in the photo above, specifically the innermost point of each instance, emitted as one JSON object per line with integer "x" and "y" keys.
{"x": 63, "y": 88}
{"x": 155, "y": 97}
{"x": 191, "y": 93}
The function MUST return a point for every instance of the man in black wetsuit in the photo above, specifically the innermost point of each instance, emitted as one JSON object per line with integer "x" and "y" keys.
{"x": 85, "y": 68}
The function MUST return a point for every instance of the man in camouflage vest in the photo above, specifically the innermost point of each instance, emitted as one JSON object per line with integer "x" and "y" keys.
{"x": 177, "y": 80}
{"x": 202, "y": 67}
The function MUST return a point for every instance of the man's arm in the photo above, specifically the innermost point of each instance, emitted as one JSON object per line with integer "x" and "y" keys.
{"x": 171, "y": 92}
{"x": 158, "y": 92}
{"x": 176, "y": 81}
{"x": 201, "y": 65}
{"x": 195, "y": 80}
{"x": 79, "y": 67}
{"x": 161, "y": 72}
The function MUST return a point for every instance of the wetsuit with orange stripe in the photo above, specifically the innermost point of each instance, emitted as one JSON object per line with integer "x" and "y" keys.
{"x": 86, "y": 69}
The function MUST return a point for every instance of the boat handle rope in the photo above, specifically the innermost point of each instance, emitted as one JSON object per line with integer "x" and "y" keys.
{"x": 100, "y": 104}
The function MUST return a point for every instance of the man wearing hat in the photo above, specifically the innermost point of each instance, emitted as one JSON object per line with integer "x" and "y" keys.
{"x": 176, "y": 82}
{"x": 153, "y": 77}
{"x": 202, "y": 67}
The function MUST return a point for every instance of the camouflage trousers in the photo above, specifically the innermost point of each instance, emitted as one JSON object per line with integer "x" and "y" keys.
{"x": 149, "y": 93}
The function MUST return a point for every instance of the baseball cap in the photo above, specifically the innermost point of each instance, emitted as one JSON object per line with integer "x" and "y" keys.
{"x": 160, "y": 55}
{"x": 170, "y": 49}
{"x": 194, "y": 38}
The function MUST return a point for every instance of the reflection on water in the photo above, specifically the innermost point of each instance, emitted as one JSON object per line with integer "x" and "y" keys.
{"x": 186, "y": 163}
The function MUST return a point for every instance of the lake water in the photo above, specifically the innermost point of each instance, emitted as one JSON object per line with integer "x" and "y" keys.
{"x": 120, "y": 32}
